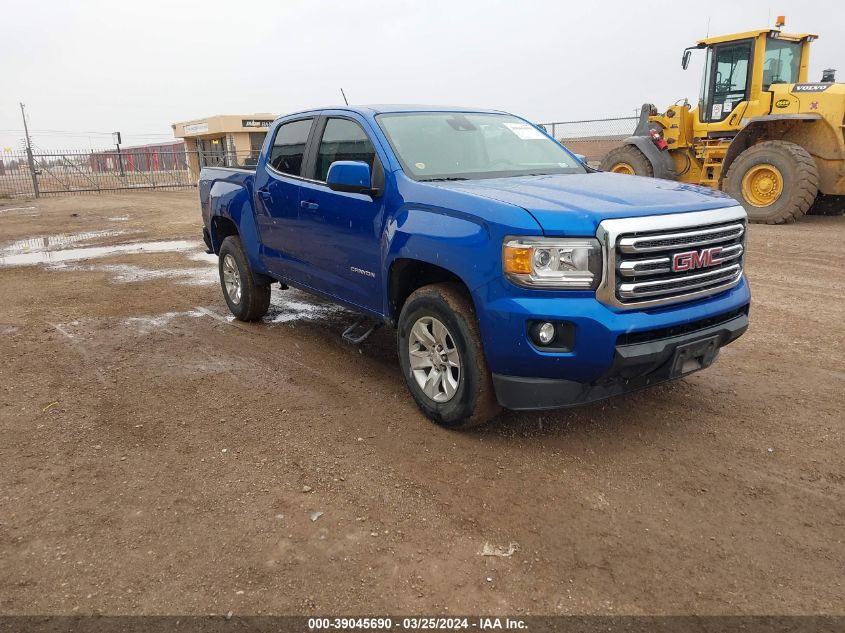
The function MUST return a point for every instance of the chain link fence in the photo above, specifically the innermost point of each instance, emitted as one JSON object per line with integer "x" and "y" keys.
{"x": 593, "y": 138}
{"x": 57, "y": 172}
{"x": 52, "y": 172}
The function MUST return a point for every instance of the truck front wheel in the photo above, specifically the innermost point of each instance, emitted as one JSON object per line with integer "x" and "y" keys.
{"x": 442, "y": 358}
{"x": 247, "y": 299}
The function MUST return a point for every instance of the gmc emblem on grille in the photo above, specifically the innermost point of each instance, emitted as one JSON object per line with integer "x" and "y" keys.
{"x": 690, "y": 260}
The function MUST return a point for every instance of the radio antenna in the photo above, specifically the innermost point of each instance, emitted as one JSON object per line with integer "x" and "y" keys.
{"x": 344, "y": 96}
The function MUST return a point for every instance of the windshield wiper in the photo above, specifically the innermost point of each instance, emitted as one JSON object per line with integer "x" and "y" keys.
{"x": 447, "y": 179}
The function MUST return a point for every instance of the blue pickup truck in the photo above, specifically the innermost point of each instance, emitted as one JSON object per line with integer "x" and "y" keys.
{"x": 514, "y": 275}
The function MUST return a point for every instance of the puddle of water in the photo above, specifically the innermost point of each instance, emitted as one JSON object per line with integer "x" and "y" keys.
{"x": 93, "y": 252}
{"x": 294, "y": 305}
{"x": 17, "y": 209}
{"x": 55, "y": 242}
{"x": 147, "y": 324}
{"x": 127, "y": 273}
{"x": 210, "y": 258}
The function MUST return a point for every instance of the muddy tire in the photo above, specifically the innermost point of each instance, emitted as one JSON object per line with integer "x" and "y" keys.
{"x": 775, "y": 181}
{"x": 442, "y": 358}
{"x": 627, "y": 159}
{"x": 247, "y": 297}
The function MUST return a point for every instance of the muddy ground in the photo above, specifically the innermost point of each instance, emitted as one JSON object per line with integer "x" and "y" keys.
{"x": 158, "y": 458}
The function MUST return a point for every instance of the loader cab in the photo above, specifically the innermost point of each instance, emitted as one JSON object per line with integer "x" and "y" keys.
{"x": 726, "y": 81}
{"x": 739, "y": 71}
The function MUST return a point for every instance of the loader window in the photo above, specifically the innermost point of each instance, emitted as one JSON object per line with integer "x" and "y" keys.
{"x": 781, "y": 63}
{"x": 727, "y": 75}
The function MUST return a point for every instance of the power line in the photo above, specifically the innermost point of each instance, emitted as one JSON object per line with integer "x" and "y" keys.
{"x": 81, "y": 133}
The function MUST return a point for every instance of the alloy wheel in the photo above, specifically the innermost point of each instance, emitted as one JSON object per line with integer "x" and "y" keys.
{"x": 435, "y": 362}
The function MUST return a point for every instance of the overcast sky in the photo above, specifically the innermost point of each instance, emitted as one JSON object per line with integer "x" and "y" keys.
{"x": 87, "y": 68}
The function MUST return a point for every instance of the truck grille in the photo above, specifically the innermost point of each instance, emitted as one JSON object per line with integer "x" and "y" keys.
{"x": 708, "y": 248}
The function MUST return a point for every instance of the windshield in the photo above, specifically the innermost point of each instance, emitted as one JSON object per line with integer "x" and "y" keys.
{"x": 468, "y": 146}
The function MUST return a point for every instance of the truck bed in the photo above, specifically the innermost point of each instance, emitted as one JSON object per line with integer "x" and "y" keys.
{"x": 233, "y": 177}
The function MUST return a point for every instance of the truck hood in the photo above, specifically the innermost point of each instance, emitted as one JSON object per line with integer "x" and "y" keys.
{"x": 575, "y": 204}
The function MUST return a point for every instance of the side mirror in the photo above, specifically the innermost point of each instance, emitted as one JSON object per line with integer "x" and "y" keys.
{"x": 685, "y": 59}
{"x": 350, "y": 176}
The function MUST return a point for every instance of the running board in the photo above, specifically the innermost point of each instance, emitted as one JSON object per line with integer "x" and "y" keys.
{"x": 360, "y": 331}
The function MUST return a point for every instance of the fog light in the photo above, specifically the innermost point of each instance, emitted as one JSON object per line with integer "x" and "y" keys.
{"x": 546, "y": 333}
{"x": 551, "y": 336}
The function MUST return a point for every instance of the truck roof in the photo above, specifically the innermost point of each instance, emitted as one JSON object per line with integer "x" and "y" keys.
{"x": 385, "y": 108}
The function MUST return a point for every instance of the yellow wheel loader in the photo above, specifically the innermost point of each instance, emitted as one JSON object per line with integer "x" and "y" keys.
{"x": 761, "y": 132}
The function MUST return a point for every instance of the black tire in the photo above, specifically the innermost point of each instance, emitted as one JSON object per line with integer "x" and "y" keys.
{"x": 254, "y": 298}
{"x": 628, "y": 155}
{"x": 473, "y": 401}
{"x": 800, "y": 181}
{"x": 826, "y": 204}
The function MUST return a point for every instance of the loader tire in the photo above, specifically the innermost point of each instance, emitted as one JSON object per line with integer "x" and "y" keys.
{"x": 828, "y": 205}
{"x": 627, "y": 159}
{"x": 776, "y": 182}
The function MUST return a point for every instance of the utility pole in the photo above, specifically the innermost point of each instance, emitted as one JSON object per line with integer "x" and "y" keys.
{"x": 29, "y": 157}
{"x": 116, "y": 138}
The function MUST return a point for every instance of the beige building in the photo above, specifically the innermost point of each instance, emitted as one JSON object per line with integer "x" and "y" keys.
{"x": 230, "y": 140}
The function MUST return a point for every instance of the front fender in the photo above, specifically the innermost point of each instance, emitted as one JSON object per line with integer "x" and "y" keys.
{"x": 661, "y": 162}
{"x": 462, "y": 244}
{"x": 808, "y": 130}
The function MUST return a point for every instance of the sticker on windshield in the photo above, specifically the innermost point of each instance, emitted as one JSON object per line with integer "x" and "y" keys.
{"x": 727, "y": 107}
{"x": 524, "y": 131}
{"x": 717, "y": 111}
{"x": 419, "y": 165}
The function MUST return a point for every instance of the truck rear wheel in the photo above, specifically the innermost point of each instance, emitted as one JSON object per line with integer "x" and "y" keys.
{"x": 627, "y": 159}
{"x": 442, "y": 358}
{"x": 247, "y": 299}
{"x": 776, "y": 181}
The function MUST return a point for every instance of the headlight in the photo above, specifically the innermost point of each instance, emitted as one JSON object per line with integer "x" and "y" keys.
{"x": 542, "y": 262}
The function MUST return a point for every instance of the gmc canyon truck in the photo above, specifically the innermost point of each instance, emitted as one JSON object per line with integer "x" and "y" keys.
{"x": 515, "y": 276}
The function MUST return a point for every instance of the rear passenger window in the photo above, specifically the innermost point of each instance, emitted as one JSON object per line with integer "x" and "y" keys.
{"x": 343, "y": 140}
{"x": 289, "y": 147}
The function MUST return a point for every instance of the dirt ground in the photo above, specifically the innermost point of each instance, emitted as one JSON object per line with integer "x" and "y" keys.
{"x": 158, "y": 458}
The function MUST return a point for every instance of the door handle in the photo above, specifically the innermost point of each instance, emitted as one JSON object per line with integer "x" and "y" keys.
{"x": 310, "y": 206}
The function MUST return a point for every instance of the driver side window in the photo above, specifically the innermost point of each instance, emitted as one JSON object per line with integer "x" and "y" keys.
{"x": 343, "y": 140}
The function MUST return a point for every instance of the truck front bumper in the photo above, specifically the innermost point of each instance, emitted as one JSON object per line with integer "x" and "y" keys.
{"x": 635, "y": 366}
